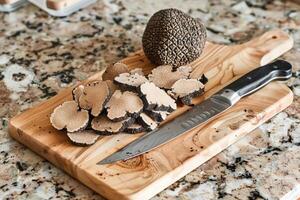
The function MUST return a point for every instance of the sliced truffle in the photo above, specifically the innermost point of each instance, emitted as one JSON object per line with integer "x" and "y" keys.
{"x": 106, "y": 126}
{"x": 111, "y": 86}
{"x": 95, "y": 95}
{"x": 147, "y": 122}
{"x": 173, "y": 38}
{"x": 158, "y": 116}
{"x": 83, "y": 138}
{"x": 68, "y": 115}
{"x": 164, "y": 77}
{"x": 114, "y": 70}
{"x": 135, "y": 128}
{"x": 77, "y": 92}
{"x": 137, "y": 71}
{"x": 123, "y": 104}
{"x": 186, "y": 90}
{"x": 156, "y": 99}
{"x": 185, "y": 70}
{"x": 129, "y": 81}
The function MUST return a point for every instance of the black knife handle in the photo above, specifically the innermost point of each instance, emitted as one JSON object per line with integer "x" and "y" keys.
{"x": 256, "y": 79}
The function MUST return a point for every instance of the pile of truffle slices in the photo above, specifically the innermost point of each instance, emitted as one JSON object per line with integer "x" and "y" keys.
{"x": 124, "y": 101}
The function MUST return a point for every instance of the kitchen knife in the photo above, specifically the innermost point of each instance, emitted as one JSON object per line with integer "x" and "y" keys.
{"x": 211, "y": 107}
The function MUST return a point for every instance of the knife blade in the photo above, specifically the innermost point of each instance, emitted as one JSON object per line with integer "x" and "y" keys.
{"x": 207, "y": 110}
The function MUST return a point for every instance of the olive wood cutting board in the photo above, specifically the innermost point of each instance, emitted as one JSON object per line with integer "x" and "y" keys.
{"x": 146, "y": 175}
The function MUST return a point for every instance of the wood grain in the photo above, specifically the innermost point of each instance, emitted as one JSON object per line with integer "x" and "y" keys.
{"x": 146, "y": 175}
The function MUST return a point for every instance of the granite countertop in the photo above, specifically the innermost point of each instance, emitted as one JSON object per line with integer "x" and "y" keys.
{"x": 41, "y": 54}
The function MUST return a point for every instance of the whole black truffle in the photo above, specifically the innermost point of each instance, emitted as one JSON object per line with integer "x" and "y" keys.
{"x": 173, "y": 38}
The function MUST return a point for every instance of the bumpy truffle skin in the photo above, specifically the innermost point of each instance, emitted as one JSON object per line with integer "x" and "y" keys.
{"x": 173, "y": 38}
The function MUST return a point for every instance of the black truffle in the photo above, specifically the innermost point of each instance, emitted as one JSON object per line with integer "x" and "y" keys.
{"x": 173, "y": 38}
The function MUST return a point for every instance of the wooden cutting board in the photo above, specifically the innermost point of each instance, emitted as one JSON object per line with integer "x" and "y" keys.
{"x": 144, "y": 176}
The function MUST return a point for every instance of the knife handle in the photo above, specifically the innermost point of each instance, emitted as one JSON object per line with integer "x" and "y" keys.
{"x": 256, "y": 79}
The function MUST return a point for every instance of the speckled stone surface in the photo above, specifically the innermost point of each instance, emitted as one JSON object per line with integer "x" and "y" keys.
{"x": 40, "y": 54}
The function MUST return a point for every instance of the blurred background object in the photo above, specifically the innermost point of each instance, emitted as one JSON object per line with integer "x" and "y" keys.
{"x": 58, "y": 8}
{"x": 11, "y": 5}
{"x": 61, "y": 8}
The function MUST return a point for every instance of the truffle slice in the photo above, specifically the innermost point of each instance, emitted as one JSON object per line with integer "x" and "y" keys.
{"x": 158, "y": 116}
{"x": 77, "y": 92}
{"x": 106, "y": 126}
{"x": 156, "y": 99}
{"x": 135, "y": 128}
{"x": 137, "y": 71}
{"x": 68, "y": 116}
{"x": 185, "y": 70}
{"x": 164, "y": 77}
{"x": 121, "y": 105}
{"x": 94, "y": 96}
{"x": 111, "y": 86}
{"x": 83, "y": 138}
{"x": 114, "y": 70}
{"x": 186, "y": 90}
{"x": 129, "y": 81}
{"x": 172, "y": 37}
{"x": 147, "y": 122}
